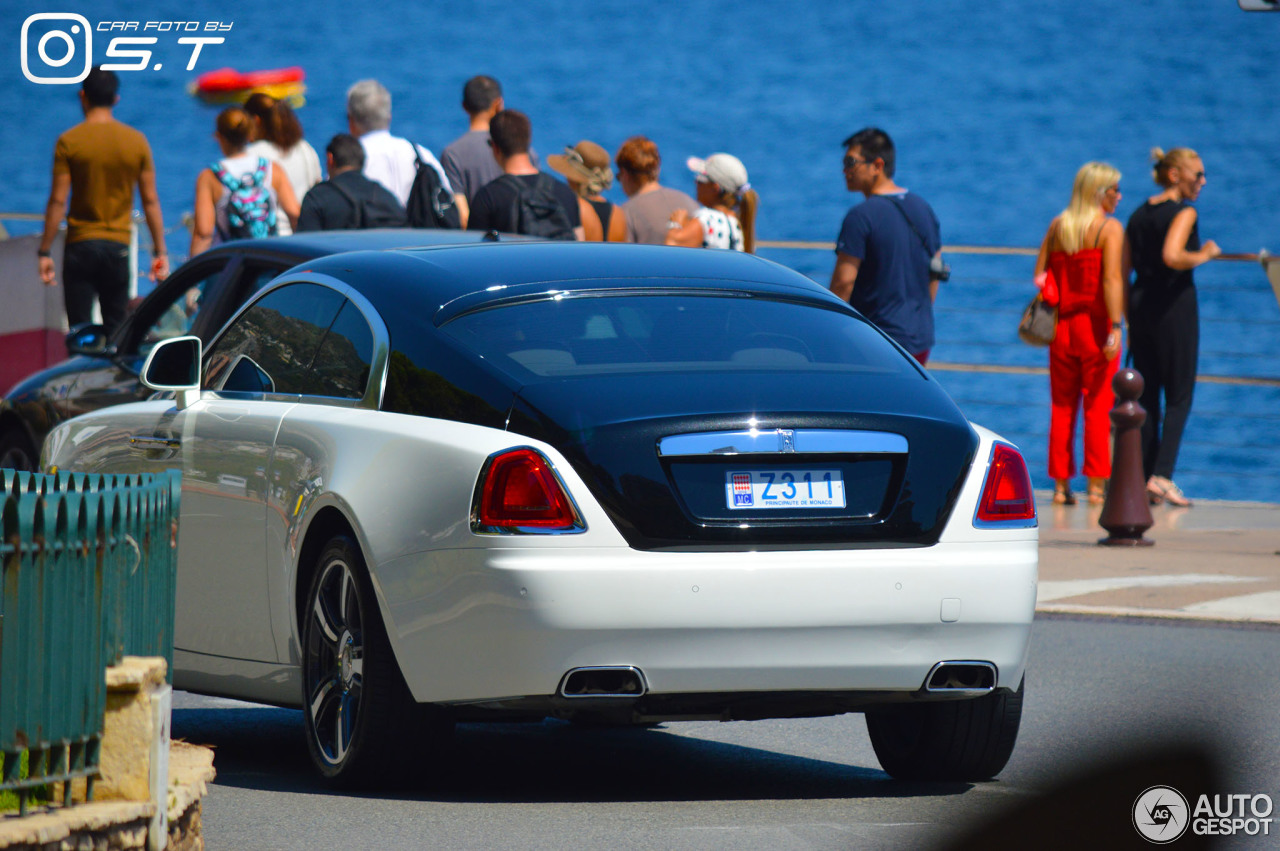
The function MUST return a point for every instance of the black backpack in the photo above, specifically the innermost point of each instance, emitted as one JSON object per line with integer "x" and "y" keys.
{"x": 536, "y": 211}
{"x": 430, "y": 205}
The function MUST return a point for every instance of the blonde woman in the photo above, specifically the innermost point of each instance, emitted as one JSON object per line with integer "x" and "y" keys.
{"x": 727, "y": 218}
{"x": 1083, "y": 251}
{"x": 1164, "y": 334}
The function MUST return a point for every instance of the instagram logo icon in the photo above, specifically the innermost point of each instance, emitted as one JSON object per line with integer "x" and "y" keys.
{"x": 58, "y": 37}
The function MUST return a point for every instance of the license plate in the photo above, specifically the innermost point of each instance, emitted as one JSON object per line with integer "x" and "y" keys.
{"x": 784, "y": 489}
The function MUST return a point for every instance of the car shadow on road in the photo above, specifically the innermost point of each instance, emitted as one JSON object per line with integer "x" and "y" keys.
{"x": 551, "y": 761}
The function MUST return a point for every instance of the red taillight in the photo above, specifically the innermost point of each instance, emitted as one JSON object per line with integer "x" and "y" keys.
{"x": 520, "y": 490}
{"x": 1006, "y": 494}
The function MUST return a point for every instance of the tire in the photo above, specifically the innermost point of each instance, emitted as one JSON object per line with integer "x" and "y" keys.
{"x": 362, "y": 724}
{"x": 16, "y": 451}
{"x": 959, "y": 740}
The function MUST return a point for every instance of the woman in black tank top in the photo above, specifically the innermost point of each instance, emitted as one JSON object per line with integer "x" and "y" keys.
{"x": 1164, "y": 326}
{"x": 586, "y": 168}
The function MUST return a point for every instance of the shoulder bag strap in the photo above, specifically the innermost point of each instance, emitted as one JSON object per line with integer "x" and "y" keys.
{"x": 924, "y": 243}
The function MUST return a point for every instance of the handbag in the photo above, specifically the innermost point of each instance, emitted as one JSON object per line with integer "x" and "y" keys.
{"x": 1039, "y": 322}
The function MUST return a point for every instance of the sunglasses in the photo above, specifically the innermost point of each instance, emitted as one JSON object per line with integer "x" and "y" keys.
{"x": 850, "y": 162}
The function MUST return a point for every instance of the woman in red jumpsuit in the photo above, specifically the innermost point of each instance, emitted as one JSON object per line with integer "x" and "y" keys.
{"x": 1082, "y": 251}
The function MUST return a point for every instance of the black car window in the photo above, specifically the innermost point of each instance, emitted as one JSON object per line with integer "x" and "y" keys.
{"x": 341, "y": 367}
{"x": 173, "y": 310}
{"x": 605, "y": 334}
{"x": 269, "y": 348}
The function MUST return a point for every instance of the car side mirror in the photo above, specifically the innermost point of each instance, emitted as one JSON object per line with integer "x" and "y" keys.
{"x": 174, "y": 365}
{"x": 89, "y": 339}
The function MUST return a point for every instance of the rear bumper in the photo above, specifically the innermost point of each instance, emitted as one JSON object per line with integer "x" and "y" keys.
{"x": 482, "y": 625}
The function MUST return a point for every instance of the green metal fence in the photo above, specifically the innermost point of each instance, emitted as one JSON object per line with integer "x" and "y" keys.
{"x": 89, "y": 571}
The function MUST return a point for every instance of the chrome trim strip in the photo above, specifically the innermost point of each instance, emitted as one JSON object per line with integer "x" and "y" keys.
{"x": 149, "y": 442}
{"x": 781, "y": 440}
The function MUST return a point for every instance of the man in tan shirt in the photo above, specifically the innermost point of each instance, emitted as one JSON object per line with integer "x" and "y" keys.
{"x": 98, "y": 163}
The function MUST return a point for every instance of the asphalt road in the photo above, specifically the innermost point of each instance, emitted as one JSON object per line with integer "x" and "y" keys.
{"x": 1099, "y": 692}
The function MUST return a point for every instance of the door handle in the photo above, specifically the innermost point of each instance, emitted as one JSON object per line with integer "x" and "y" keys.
{"x": 152, "y": 442}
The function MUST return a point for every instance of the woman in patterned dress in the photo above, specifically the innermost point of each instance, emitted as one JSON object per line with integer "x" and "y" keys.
{"x": 728, "y": 215}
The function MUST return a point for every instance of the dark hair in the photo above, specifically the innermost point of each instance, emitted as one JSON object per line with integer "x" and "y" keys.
{"x": 280, "y": 125}
{"x": 639, "y": 155}
{"x": 479, "y": 94}
{"x": 874, "y": 144}
{"x": 100, "y": 87}
{"x": 511, "y": 132}
{"x": 234, "y": 125}
{"x": 346, "y": 150}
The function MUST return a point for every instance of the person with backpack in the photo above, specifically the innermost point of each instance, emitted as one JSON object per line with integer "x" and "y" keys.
{"x": 241, "y": 196}
{"x": 524, "y": 200}
{"x": 348, "y": 200}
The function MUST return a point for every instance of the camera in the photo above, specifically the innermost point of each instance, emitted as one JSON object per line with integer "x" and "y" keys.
{"x": 938, "y": 269}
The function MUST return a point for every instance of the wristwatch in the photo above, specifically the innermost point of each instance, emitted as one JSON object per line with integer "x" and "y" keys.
{"x": 40, "y": 252}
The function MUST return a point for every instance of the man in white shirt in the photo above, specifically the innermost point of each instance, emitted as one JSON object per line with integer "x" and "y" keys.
{"x": 388, "y": 159}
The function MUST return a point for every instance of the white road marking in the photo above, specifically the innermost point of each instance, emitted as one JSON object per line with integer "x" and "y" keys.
{"x": 1264, "y": 604}
{"x": 1076, "y": 587}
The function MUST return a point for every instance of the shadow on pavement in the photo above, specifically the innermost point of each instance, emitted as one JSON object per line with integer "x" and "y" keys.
{"x": 550, "y": 761}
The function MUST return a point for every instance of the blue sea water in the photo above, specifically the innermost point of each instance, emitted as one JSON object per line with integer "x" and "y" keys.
{"x": 993, "y": 107}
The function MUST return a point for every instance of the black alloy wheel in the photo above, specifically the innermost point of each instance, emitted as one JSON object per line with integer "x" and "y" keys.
{"x": 358, "y": 712}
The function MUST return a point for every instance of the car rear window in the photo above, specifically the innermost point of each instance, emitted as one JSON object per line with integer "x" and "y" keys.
{"x": 602, "y": 334}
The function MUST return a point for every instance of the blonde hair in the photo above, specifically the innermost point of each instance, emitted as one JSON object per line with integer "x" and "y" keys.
{"x": 1164, "y": 162}
{"x": 1092, "y": 181}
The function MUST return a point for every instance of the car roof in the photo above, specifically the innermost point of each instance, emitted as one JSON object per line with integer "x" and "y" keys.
{"x": 304, "y": 246}
{"x": 453, "y": 279}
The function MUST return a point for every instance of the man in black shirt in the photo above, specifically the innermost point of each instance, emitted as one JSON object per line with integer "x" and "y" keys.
{"x": 523, "y": 200}
{"x": 348, "y": 200}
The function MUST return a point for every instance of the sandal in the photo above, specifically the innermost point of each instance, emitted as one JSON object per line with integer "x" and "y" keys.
{"x": 1063, "y": 496}
{"x": 1173, "y": 494}
{"x": 1160, "y": 489}
{"x": 1097, "y": 491}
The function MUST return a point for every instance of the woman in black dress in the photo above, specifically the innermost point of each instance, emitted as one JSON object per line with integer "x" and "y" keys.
{"x": 1164, "y": 326}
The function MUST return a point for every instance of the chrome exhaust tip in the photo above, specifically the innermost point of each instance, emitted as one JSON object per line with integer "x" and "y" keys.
{"x": 961, "y": 678}
{"x": 603, "y": 681}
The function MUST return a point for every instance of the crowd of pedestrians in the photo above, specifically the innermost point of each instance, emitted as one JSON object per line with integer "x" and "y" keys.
{"x": 888, "y": 264}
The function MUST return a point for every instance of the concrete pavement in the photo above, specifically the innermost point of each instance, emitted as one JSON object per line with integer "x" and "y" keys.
{"x": 1216, "y": 561}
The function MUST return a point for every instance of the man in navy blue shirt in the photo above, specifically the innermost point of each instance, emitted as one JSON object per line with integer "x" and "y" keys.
{"x": 886, "y": 245}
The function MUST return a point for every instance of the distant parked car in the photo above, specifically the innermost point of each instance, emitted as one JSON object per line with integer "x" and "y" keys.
{"x": 196, "y": 299}
{"x": 598, "y": 482}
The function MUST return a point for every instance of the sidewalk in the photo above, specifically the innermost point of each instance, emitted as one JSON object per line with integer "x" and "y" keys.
{"x": 1217, "y": 561}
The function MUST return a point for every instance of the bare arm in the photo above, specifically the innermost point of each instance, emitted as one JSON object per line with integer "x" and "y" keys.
{"x": 464, "y": 209}
{"x": 845, "y": 275}
{"x": 1046, "y": 246}
{"x": 1113, "y": 243}
{"x": 1175, "y": 253}
{"x": 686, "y": 230}
{"x": 617, "y": 226}
{"x": 53, "y": 213}
{"x": 155, "y": 224}
{"x": 591, "y": 229}
{"x": 202, "y": 232}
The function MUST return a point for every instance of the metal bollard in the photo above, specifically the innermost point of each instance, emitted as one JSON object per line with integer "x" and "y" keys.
{"x": 1125, "y": 514}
